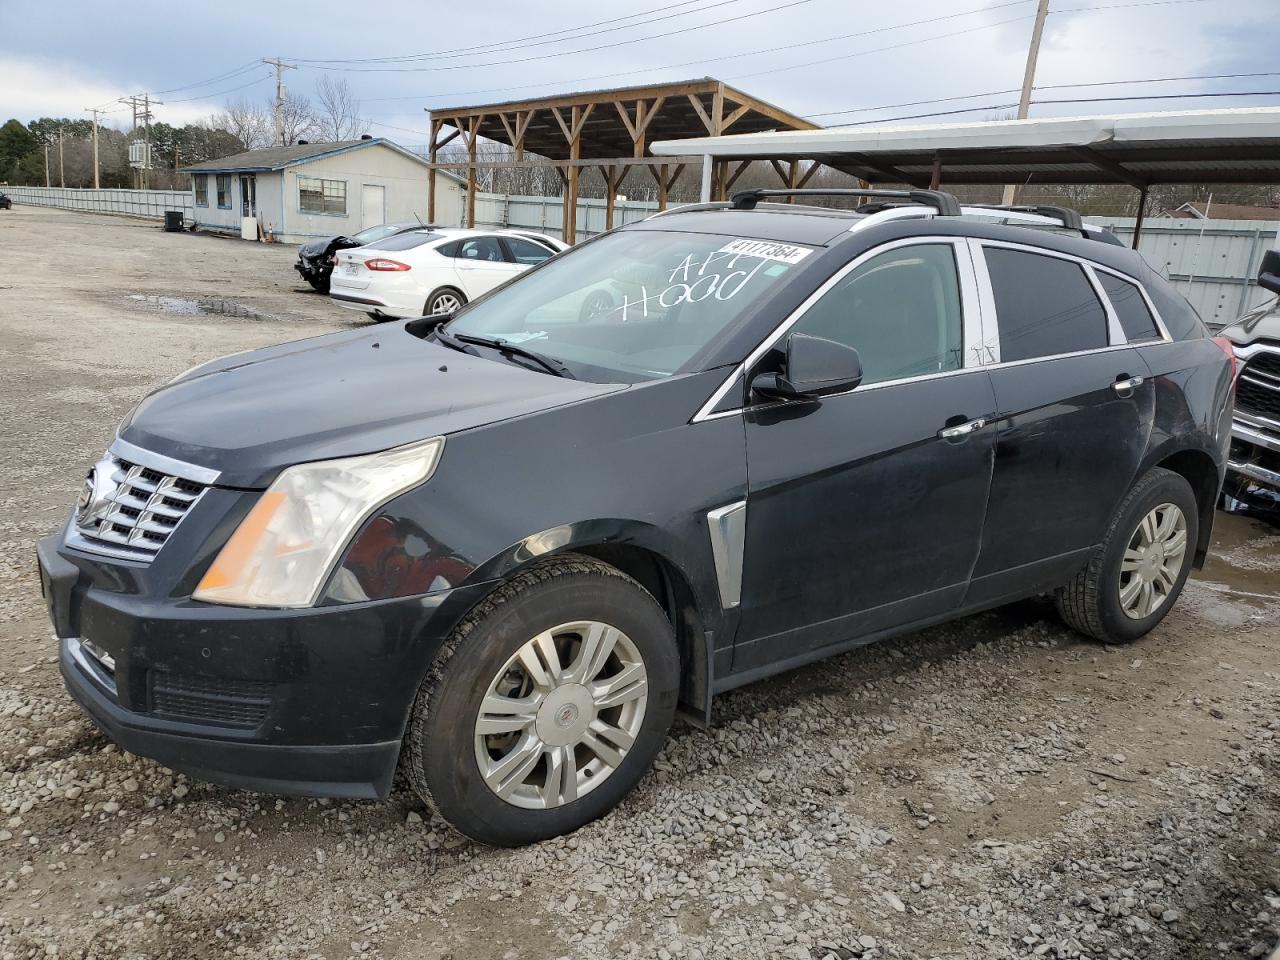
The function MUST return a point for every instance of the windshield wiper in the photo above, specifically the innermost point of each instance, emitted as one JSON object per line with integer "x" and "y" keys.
{"x": 449, "y": 340}
{"x": 507, "y": 348}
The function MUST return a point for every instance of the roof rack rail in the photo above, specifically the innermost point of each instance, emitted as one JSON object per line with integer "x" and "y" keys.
{"x": 945, "y": 204}
{"x": 1064, "y": 215}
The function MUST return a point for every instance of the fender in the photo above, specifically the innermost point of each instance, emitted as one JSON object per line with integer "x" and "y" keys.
{"x": 648, "y": 553}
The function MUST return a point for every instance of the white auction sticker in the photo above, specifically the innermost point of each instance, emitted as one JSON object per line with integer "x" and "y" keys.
{"x": 766, "y": 250}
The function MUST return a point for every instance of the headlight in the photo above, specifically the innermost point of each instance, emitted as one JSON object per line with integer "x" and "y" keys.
{"x": 283, "y": 551}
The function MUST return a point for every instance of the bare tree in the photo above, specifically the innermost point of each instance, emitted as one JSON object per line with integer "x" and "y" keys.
{"x": 246, "y": 122}
{"x": 337, "y": 115}
{"x": 297, "y": 119}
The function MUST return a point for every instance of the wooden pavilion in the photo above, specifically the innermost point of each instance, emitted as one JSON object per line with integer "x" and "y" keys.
{"x": 609, "y": 131}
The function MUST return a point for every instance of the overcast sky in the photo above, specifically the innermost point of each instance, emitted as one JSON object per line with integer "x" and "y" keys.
{"x": 846, "y": 54}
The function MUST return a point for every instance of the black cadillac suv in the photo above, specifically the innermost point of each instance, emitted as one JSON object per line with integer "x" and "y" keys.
{"x": 502, "y": 548}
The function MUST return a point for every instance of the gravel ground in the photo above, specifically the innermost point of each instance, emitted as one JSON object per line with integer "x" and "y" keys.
{"x": 997, "y": 787}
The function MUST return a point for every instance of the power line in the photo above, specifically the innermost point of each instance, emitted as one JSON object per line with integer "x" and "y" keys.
{"x": 566, "y": 53}
{"x": 733, "y": 56}
{"x": 1046, "y": 86}
{"x": 208, "y": 96}
{"x": 1009, "y": 106}
{"x": 206, "y": 83}
{"x": 503, "y": 46}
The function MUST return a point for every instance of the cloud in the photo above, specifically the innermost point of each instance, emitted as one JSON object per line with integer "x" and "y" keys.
{"x": 46, "y": 88}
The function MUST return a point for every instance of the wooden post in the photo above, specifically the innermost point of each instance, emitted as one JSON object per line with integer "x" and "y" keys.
{"x": 472, "y": 135}
{"x": 575, "y": 153}
{"x": 935, "y": 178}
{"x": 433, "y": 151}
{"x": 610, "y": 175}
{"x": 662, "y": 185}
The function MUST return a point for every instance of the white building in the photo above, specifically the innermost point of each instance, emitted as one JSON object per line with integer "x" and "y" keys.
{"x": 311, "y": 190}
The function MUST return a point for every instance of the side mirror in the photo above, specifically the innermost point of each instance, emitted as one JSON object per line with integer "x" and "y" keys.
{"x": 815, "y": 367}
{"x": 1269, "y": 273}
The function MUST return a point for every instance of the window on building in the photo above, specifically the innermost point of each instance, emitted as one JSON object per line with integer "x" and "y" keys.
{"x": 322, "y": 196}
{"x": 224, "y": 191}
{"x": 201, "y": 182}
{"x": 1131, "y": 309}
{"x": 1044, "y": 305}
{"x": 900, "y": 310}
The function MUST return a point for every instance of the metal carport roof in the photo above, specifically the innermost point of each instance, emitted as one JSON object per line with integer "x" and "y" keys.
{"x": 1200, "y": 146}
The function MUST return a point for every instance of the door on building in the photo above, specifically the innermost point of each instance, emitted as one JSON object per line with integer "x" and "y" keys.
{"x": 248, "y": 196}
{"x": 373, "y": 205}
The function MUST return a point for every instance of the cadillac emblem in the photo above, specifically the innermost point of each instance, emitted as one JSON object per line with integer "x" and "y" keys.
{"x": 97, "y": 495}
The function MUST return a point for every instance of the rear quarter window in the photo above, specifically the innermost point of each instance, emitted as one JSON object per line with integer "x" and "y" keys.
{"x": 1131, "y": 308}
{"x": 1044, "y": 305}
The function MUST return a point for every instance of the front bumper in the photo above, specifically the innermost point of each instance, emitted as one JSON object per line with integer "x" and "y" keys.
{"x": 308, "y": 701}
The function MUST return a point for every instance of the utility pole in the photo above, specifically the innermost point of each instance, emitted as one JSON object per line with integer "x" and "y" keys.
{"x": 95, "y": 111}
{"x": 1028, "y": 81}
{"x": 62, "y": 172}
{"x": 144, "y": 100}
{"x": 280, "y": 66}
{"x": 46, "y": 164}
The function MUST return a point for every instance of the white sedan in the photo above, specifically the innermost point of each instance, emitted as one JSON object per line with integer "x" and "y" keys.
{"x": 435, "y": 270}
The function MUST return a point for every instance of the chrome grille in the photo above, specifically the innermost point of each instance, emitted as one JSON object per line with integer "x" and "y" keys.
{"x": 129, "y": 509}
{"x": 1258, "y": 386}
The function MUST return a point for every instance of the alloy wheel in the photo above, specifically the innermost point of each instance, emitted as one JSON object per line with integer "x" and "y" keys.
{"x": 1152, "y": 561}
{"x": 560, "y": 716}
{"x": 445, "y": 303}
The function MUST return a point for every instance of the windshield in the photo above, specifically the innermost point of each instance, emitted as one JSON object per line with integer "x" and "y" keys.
{"x": 376, "y": 233}
{"x": 631, "y": 306}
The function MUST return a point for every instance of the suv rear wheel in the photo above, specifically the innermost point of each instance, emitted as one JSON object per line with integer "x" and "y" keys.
{"x": 1134, "y": 578}
{"x": 546, "y": 705}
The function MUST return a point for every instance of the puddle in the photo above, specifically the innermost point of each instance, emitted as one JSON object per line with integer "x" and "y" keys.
{"x": 188, "y": 307}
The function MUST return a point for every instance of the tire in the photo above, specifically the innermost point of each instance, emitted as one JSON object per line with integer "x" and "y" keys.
{"x": 443, "y": 747}
{"x": 1093, "y": 601}
{"x": 319, "y": 284}
{"x": 437, "y": 302}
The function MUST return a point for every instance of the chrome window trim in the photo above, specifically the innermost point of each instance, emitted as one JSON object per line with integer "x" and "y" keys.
{"x": 1115, "y": 332}
{"x": 1087, "y": 266}
{"x": 987, "y": 300}
{"x": 968, "y": 316}
{"x": 1146, "y": 297}
{"x": 162, "y": 464}
{"x": 727, "y": 527}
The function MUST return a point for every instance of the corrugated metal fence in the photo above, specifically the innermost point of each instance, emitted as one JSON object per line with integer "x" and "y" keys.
{"x": 150, "y": 204}
{"x": 1214, "y": 263}
{"x": 546, "y": 214}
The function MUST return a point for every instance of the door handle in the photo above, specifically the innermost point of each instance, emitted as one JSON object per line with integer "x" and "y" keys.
{"x": 962, "y": 430}
{"x": 1124, "y": 387}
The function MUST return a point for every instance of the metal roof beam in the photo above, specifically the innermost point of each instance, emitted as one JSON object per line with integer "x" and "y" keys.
{"x": 1107, "y": 165}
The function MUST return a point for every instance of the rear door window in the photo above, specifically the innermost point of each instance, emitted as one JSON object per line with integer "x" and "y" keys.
{"x": 1045, "y": 305}
{"x": 526, "y": 252}
{"x": 1131, "y": 308}
{"x": 485, "y": 249}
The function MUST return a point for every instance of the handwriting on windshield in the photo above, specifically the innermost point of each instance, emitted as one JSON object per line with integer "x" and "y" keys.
{"x": 717, "y": 274}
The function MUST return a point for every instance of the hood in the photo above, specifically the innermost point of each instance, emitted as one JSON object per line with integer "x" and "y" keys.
{"x": 1261, "y": 323}
{"x": 317, "y": 247}
{"x": 250, "y": 415}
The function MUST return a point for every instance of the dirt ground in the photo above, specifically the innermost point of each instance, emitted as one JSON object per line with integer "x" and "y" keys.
{"x": 997, "y": 787}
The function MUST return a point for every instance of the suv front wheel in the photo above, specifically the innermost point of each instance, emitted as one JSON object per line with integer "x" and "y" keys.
{"x": 546, "y": 705}
{"x": 1135, "y": 576}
